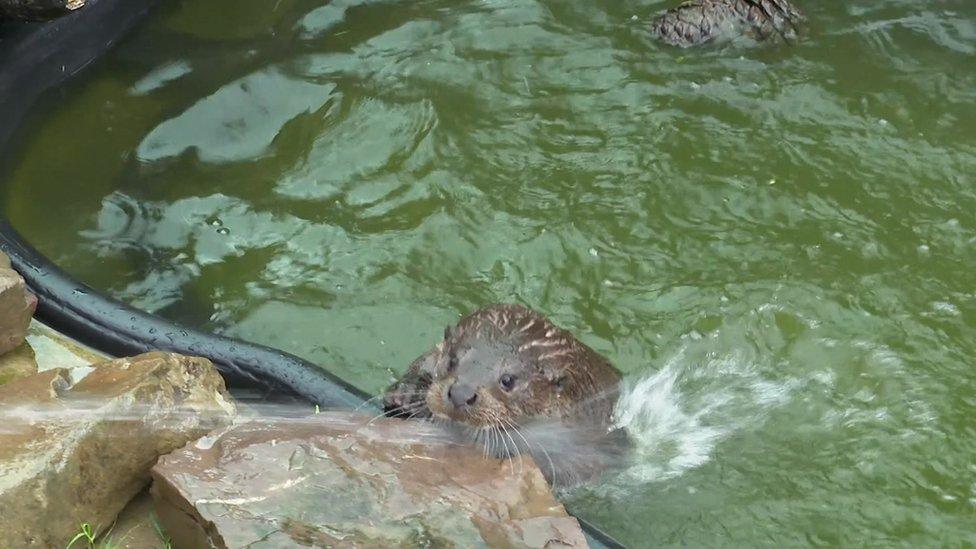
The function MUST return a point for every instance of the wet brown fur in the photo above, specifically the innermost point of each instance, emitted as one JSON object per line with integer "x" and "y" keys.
{"x": 559, "y": 377}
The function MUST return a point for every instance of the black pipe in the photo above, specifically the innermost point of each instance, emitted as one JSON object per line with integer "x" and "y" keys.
{"x": 117, "y": 329}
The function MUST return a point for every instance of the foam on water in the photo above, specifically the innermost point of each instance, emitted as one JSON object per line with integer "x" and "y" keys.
{"x": 679, "y": 414}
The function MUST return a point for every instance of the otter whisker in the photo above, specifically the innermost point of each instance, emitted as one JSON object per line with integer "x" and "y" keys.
{"x": 518, "y": 432}
{"x": 473, "y": 435}
{"x": 514, "y": 449}
{"x": 489, "y": 442}
{"x": 552, "y": 466}
{"x": 415, "y": 392}
{"x": 508, "y": 453}
{"x": 492, "y": 440}
{"x": 369, "y": 401}
{"x": 405, "y": 407}
{"x": 495, "y": 427}
{"x": 412, "y": 395}
{"x": 399, "y": 410}
{"x": 517, "y": 448}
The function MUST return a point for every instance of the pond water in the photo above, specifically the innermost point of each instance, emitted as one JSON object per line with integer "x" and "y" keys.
{"x": 776, "y": 244}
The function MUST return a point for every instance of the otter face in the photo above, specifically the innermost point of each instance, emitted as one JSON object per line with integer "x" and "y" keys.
{"x": 480, "y": 381}
{"x": 506, "y": 364}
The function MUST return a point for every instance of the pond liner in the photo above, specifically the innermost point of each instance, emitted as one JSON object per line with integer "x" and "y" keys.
{"x": 35, "y": 58}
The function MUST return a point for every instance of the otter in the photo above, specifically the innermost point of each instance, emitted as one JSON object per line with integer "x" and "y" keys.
{"x": 698, "y": 21}
{"x": 517, "y": 383}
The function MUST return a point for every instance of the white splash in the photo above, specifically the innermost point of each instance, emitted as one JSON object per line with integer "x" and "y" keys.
{"x": 677, "y": 416}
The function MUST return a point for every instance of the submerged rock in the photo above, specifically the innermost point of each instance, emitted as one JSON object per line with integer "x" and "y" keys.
{"x": 17, "y": 306}
{"x": 77, "y": 454}
{"x": 699, "y": 21}
{"x": 337, "y": 479}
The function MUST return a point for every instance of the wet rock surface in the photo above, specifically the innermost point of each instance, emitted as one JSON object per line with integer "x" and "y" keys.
{"x": 74, "y": 454}
{"x": 136, "y": 527}
{"x": 17, "y": 364}
{"x": 55, "y": 350}
{"x": 695, "y": 22}
{"x": 337, "y": 479}
{"x": 17, "y": 306}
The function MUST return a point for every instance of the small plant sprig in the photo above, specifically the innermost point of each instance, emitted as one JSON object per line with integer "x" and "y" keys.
{"x": 167, "y": 543}
{"x": 86, "y": 533}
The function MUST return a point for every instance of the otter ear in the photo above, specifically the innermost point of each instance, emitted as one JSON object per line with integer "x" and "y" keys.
{"x": 555, "y": 376}
{"x": 560, "y": 382}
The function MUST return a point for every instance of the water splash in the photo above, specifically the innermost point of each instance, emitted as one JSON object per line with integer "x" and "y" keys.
{"x": 678, "y": 415}
{"x": 22, "y": 419}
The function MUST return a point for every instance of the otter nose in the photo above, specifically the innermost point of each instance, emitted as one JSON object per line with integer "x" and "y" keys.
{"x": 462, "y": 395}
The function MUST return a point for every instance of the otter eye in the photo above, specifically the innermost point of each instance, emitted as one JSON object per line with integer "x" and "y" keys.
{"x": 507, "y": 381}
{"x": 452, "y": 363}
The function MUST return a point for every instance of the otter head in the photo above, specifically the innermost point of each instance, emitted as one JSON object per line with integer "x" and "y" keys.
{"x": 508, "y": 363}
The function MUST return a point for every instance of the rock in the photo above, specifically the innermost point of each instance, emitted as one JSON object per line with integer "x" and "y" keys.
{"x": 337, "y": 479}
{"x": 72, "y": 455}
{"x": 136, "y": 527}
{"x": 16, "y": 306}
{"x": 17, "y": 364}
{"x": 695, "y": 22}
{"x": 39, "y": 389}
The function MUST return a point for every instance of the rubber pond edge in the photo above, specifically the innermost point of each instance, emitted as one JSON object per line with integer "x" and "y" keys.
{"x": 37, "y": 57}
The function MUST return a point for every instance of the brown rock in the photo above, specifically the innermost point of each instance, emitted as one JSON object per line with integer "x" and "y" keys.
{"x": 16, "y": 307}
{"x": 338, "y": 480}
{"x": 136, "y": 527}
{"x": 40, "y": 389}
{"x": 17, "y": 364}
{"x": 69, "y": 456}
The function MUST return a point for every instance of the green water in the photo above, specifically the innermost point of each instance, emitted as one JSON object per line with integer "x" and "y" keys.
{"x": 778, "y": 245}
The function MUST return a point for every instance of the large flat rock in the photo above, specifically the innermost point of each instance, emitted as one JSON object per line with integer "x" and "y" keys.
{"x": 17, "y": 306}
{"x": 74, "y": 454}
{"x": 337, "y": 479}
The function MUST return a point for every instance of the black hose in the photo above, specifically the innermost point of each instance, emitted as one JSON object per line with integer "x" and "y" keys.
{"x": 115, "y": 328}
